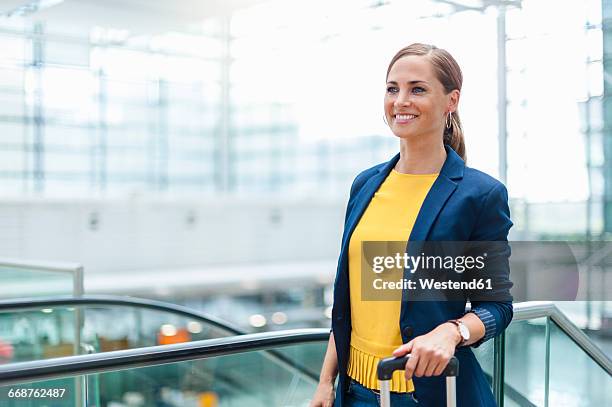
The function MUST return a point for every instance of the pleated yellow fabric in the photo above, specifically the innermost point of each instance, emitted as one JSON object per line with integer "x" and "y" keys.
{"x": 375, "y": 333}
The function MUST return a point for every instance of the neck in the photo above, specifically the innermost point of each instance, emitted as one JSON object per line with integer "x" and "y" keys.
{"x": 420, "y": 157}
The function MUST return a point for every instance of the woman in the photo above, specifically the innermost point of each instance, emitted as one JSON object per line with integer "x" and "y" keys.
{"x": 425, "y": 193}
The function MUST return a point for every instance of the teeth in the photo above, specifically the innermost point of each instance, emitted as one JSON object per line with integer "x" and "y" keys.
{"x": 404, "y": 116}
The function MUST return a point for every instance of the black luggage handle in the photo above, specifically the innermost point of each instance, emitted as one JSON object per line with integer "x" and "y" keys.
{"x": 387, "y": 366}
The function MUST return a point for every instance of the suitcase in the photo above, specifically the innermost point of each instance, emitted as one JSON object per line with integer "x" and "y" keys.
{"x": 387, "y": 366}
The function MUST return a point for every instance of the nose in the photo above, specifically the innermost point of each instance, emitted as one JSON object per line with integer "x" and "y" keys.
{"x": 403, "y": 99}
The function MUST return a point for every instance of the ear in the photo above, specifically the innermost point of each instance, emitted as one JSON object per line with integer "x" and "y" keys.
{"x": 453, "y": 100}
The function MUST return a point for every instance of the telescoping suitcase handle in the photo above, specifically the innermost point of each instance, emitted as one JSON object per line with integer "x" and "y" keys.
{"x": 387, "y": 366}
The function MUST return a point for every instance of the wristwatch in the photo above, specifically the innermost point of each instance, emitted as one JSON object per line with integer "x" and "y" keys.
{"x": 464, "y": 332}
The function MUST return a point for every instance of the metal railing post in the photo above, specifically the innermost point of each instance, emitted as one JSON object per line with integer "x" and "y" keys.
{"x": 546, "y": 361}
{"x": 499, "y": 358}
{"x": 80, "y": 382}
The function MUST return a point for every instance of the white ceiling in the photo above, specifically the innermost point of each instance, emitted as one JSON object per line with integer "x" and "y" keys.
{"x": 137, "y": 16}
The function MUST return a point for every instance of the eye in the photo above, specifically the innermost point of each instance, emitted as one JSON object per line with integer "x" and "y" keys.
{"x": 392, "y": 89}
{"x": 418, "y": 89}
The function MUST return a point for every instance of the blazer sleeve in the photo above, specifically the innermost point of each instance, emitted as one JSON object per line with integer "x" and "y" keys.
{"x": 493, "y": 224}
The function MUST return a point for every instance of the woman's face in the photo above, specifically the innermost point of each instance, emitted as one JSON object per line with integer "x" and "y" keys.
{"x": 415, "y": 103}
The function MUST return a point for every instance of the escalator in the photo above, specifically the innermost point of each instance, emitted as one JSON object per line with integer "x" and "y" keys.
{"x": 41, "y": 328}
{"x": 235, "y": 371}
{"x": 542, "y": 360}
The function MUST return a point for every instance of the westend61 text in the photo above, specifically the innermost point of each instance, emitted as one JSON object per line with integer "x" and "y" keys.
{"x": 431, "y": 284}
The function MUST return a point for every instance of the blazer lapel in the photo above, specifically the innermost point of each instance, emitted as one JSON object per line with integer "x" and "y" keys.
{"x": 439, "y": 193}
{"x": 436, "y": 198}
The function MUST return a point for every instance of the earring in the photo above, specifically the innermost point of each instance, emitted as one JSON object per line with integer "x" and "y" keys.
{"x": 449, "y": 120}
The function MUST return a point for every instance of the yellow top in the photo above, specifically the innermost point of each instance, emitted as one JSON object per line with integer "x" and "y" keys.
{"x": 375, "y": 334}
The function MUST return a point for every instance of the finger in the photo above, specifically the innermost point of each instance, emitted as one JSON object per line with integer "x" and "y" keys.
{"x": 440, "y": 368}
{"x": 411, "y": 365}
{"x": 431, "y": 367}
{"x": 421, "y": 366}
{"x": 404, "y": 349}
{"x": 438, "y": 360}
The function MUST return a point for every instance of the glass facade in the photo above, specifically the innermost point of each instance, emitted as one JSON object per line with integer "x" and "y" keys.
{"x": 94, "y": 113}
{"x": 257, "y": 104}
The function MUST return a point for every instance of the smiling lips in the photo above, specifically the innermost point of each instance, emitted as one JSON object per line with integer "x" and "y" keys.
{"x": 404, "y": 118}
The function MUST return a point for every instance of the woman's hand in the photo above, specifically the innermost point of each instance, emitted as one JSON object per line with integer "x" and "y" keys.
{"x": 324, "y": 395}
{"x": 430, "y": 353}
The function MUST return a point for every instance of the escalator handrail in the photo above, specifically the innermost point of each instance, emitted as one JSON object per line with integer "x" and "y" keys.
{"x": 538, "y": 309}
{"x": 70, "y": 366}
{"x": 20, "y": 304}
{"x": 41, "y": 265}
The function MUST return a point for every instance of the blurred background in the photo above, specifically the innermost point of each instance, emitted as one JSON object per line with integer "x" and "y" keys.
{"x": 201, "y": 152}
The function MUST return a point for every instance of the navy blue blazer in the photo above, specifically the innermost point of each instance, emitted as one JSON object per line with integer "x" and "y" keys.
{"x": 463, "y": 204}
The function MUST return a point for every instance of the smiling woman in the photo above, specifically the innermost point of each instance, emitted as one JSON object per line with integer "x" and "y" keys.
{"x": 424, "y": 193}
{"x": 420, "y": 91}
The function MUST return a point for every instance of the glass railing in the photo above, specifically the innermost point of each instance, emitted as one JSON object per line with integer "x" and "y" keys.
{"x": 20, "y": 279}
{"x": 41, "y": 328}
{"x": 573, "y": 377}
{"x": 525, "y": 363}
{"x": 545, "y": 360}
{"x": 489, "y": 359}
{"x": 233, "y": 371}
{"x": 541, "y": 360}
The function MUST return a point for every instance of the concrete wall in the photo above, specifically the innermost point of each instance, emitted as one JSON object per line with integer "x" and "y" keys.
{"x": 114, "y": 236}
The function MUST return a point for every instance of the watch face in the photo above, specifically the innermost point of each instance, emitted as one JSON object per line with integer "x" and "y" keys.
{"x": 464, "y": 331}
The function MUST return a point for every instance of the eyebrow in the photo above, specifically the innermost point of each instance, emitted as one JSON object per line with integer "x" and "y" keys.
{"x": 410, "y": 82}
